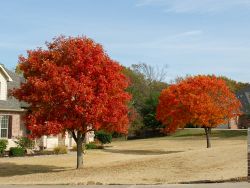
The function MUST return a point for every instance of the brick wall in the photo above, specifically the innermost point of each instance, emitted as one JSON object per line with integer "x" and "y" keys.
{"x": 18, "y": 127}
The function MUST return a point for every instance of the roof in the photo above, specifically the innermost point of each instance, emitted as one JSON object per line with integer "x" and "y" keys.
{"x": 14, "y": 81}
{"x": 244, "y": 96}
{"x": 8, "y": 77}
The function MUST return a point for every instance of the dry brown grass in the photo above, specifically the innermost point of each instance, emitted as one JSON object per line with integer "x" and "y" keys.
{"x": 149, "y": 161}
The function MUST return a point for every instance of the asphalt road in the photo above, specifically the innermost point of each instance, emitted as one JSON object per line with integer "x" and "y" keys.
{"x": 210, "y": 185}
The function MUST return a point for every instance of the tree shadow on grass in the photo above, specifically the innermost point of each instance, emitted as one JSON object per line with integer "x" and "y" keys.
{"x": 140, "y": 152}
{"x": 11, "y": 169}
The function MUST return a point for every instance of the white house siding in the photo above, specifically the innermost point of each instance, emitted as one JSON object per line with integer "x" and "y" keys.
{"x": 3, "y": 86}
{"x": 69, "y": 141}
{"x": 50, "y": 142}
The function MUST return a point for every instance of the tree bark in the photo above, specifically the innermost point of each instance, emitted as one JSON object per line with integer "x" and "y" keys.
{"x": 208, "y": 132}
{"x": 79, "y": 139}
{"x": 79, "y": 144}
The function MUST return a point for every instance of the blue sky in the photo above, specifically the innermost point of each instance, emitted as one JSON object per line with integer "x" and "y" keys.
{"x": 189, "y": 36}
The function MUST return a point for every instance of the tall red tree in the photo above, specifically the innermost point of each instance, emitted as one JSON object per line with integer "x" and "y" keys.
{"x": 205, "y": 101}
{"x": 73, "y": 86}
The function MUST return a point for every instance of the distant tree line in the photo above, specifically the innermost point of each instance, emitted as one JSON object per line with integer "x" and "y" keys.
{"x": 146, "y": 84}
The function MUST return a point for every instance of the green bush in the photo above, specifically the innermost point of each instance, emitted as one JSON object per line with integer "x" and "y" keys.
{"x": 60, "y": 150}
{"x": 25, "y": 143}
{"x": 93, "y": 146}
{"x": 103, "y": 137}
{"x": 17, "y": 151}
{"x": 44, "y": 152}
{"x": 3, "y": 145}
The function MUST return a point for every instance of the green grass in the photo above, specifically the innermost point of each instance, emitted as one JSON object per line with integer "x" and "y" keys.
{"x": 215, "y": 133}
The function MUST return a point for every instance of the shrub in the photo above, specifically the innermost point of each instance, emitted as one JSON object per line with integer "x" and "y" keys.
{"x": 60, "y": 150}
{"x": 3, "y": 145}
{"x": 93, "y": 146}
{"x": 103, "y": 137}
{"x": 25, "y": 143}
{"x": 44, "y": 152}
{"x": 17, "y": 151}
{"x": 74, "y": 148}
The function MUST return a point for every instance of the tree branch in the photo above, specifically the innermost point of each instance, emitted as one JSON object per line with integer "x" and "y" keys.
{"x": 74, "y": 135}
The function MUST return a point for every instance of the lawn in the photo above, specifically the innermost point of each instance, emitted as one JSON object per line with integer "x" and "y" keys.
{"x": 220, "y": 133}
{"x": 182, "y": 157}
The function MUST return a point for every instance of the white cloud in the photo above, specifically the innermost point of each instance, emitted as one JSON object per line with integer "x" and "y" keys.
{"x": 191, "y": 41}
{"x": 174, "y": 41}
{"x": 189, "y": 33}
{"x": 196, "y": 6}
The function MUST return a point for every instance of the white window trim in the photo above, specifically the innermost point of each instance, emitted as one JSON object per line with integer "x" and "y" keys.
{"x": 7, "y": 132}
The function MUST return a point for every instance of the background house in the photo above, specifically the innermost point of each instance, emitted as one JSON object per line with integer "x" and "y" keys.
{"x": 242, "y": 121}
{"x": 244, "y": 97}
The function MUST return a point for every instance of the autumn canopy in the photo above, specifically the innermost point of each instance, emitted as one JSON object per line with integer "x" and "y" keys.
{"x": 204, "y": 101}
{"x": 73, "y": 86}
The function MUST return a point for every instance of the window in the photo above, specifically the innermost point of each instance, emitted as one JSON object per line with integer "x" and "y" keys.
{"x": 4, "y": 123}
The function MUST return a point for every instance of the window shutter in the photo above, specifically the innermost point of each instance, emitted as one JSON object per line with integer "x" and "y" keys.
{"x": 10, "y": 127}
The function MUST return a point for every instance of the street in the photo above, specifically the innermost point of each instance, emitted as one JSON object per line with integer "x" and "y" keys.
{"x": 210, "y": 185}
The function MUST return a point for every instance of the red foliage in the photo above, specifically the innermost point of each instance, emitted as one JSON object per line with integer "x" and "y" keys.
{"x": 73, "y": 85}
{"x": 205, "y": 101}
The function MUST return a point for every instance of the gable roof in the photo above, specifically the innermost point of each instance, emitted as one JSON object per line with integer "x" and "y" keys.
{"x": 14, "y": 81}
{"x": 5, "y": 73}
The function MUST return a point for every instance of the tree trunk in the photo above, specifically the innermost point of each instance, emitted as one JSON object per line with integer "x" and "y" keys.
{"x": 208, "y": 132}
{"x": 79, "y": 144}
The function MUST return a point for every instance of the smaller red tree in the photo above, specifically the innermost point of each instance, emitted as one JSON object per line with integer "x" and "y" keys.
{"x": 205, "y": 101}
{"x": 73, "y": 86}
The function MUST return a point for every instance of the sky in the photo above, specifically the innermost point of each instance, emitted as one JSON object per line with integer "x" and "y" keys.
{"x": 188, "y": 36}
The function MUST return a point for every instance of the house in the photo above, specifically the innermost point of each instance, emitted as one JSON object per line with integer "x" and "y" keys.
{"x": 12, "y": 111}
{"x": 242, "y": 121}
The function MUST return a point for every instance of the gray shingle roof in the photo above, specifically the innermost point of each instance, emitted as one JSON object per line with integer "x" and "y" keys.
{"x": 12, "y": 103}
{"x": 244, "y": 96}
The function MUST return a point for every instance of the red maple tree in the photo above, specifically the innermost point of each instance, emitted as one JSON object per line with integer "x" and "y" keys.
{"x": 73, "y": 86}
{"x": 204, "y": 101}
